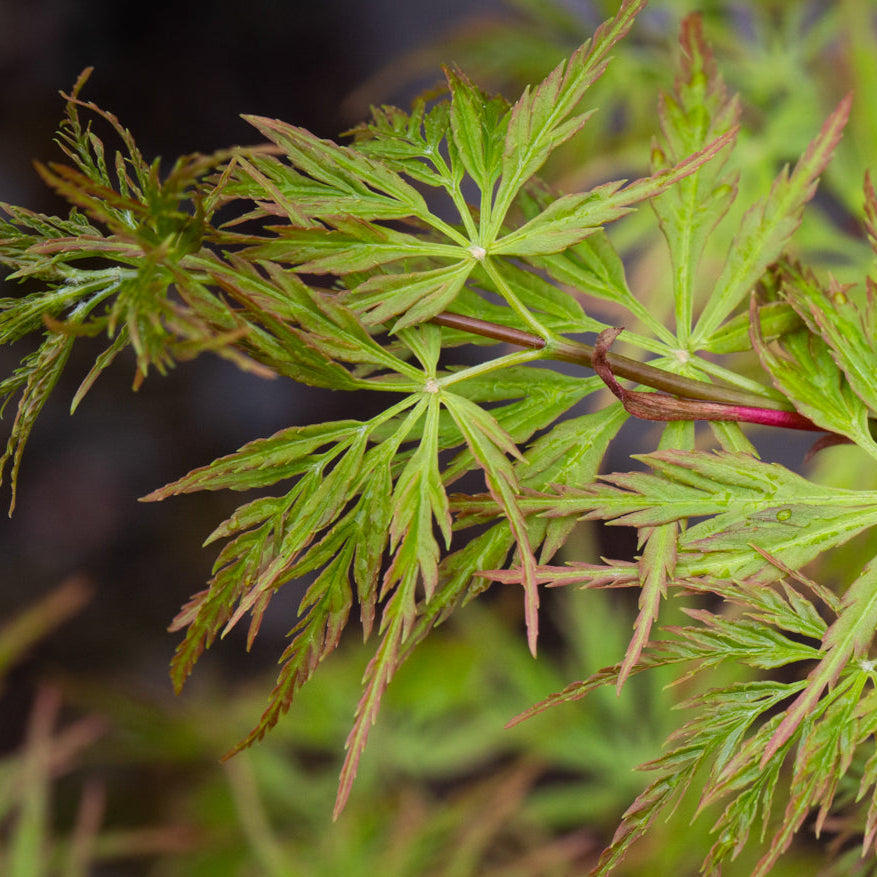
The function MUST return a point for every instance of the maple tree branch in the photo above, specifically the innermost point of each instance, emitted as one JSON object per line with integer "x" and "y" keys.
{"x": 663, "y": 407}
{"x": 732, "y": 404}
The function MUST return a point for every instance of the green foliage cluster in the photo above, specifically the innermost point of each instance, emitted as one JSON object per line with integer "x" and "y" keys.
{"x": 366, "y": 267}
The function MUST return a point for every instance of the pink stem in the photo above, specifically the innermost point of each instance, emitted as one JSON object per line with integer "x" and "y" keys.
{"x": 663, "y": 407}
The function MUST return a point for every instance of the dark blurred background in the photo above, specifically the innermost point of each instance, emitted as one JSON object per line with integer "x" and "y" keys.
{"x": 180, "y": 73}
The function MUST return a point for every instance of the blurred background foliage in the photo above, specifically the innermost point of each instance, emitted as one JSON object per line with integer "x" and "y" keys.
{"x": 104, "y": 772}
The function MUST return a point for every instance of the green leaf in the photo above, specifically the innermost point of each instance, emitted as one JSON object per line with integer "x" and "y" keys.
{"x": 768, "y": 226}
{"x": 489, "y": 444}
{"x": 554, "y": 308}
{"x": 540, "y": 120}
{"x": 412, "y": 297}
{"x": 569, "y": 454}
{"x": 544, "y": 394}
{"x": 571, "y": 218}
{"x": 657, "y": 566}
{"x": 272, "y": 539}
{"x": 696, "y": 114}
{"x": 478, "y": 124}
{"x": 352, "y": 245}
{"x": 419, "y": 499}
{"x": 745, "y": 503}
{"x": 847, "y": 640}
{"x": 775, "y": 319}
{"x": 263, "y": 462}
{"x": 377, "y": 677}
{"x": 802, "y": 367}
{"x": 36, "y": 377}
{"x": 301, "y": 332}
{"x": 347, "y": 181}
{"x": 411, "y": 143}
{"x": 593, "y": 267}
{"x": 847, "y": 328}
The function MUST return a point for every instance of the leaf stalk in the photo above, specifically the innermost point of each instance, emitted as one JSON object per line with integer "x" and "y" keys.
{"x": 743, "y": 406}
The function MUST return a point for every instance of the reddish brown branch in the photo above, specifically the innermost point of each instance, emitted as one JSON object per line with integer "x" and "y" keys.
{"x": 662, "y": 407}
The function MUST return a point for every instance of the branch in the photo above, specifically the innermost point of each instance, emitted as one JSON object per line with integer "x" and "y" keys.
{"x": 660, "y": 406}
{"x": 737, "y": 405}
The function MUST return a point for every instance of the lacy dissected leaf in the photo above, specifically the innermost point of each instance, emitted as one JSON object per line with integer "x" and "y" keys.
{"x": 568, "y": 454}
{"x": 336, "y": 180}
{"x": 542, "y": 117}
{"x": 846, "y": 640}
{"x": 338, "y": 520}
{"x": 339, "y": 198}
{"x": 657, "y": 567}
{"x": 749, "y": 507}
{"x": 768, "y": 226}
{"x": 697, "y": 113}
{"x": 571, "y": 218}
{"x": 489, "y": 444}
{"x": 539, "y": 398}
{"x": 273, "y": 539}
{"x": 126, "y": 287}
{"x": 802, "y": 366}
{"x": 411, "y": 143}
{"x": 593, "y": 267}
{"x": 555, "y": 309}
{"x": 823, "y": 750}
{"x": 478, "y": 124}
{"x": 111, "y": 272}
{"x": 360, "y": 510}
{"x": 720, "y": 749}
{"x": 412, "y": 297}
{"x": 307, "y": 334}
{"x": 35, "y": 378}
{"x": 349, "y": 245}
{"x": 345, "y": 197}
{"x": 847, "y": 328}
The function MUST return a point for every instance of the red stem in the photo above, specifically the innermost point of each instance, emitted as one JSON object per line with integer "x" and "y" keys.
{"x": 683, "y": 399}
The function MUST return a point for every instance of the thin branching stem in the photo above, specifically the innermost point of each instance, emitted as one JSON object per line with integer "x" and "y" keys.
{"x": 583, "y": 354}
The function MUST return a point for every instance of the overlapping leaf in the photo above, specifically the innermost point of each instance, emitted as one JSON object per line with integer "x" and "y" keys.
{"x": 111, "y": 272}
{"x": 734, "y": 727}
{"x": 337, "y": 520}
